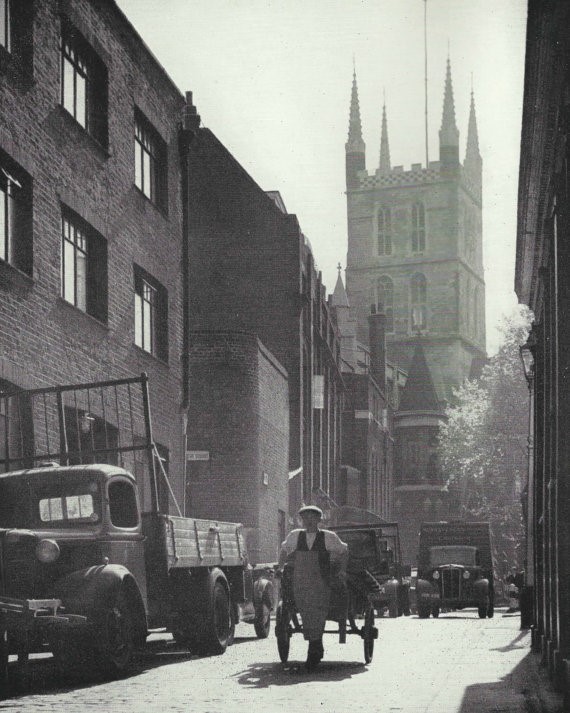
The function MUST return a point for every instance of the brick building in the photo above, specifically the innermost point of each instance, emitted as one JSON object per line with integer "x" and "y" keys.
{"x": 252, "y": 269}
{"x": 542, "y": 282}
{"x": 415, "y": 253}
{"x": 367, "y": 425}
{"x": 100, "y": 224}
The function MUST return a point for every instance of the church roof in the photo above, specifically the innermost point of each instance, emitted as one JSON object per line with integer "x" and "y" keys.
{"x": 419, "y": 392}
{"x": 339, "y": 296}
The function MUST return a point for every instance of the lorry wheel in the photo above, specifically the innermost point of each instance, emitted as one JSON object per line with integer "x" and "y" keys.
{"x": 393, "y": 610}
{"x": 116, "y": 649}
{"x": 490, "y": 610}
{"x": 482, "y": 611}
{"x": 262, "y": 622}
{"x": 423, "y": 612}
{"x": 435, "y": 612}
{"x": 215, "y": 629}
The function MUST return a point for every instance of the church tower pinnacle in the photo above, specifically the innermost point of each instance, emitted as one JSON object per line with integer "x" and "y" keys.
{"x": 384, "y": 145}
{"x": 448, "y": 134}
{"x": 355, "y": 147}
{"x": 473, "y": 164}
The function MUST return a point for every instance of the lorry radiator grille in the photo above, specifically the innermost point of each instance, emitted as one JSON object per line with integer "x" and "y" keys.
{"x": 450, "y": 583}
{"x": 18, "y": 569}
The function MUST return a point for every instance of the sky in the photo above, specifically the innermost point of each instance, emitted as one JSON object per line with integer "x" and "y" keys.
{"x": 272, "y": 80}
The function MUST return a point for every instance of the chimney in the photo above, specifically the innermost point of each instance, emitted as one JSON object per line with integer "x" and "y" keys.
{"x": 377, "y": 340}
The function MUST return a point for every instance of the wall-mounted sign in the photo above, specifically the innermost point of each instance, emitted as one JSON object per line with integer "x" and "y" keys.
{"x": 197, "y": 455}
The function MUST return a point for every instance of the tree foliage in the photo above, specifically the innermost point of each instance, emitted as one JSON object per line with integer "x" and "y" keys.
{"x": 483, "y": 445}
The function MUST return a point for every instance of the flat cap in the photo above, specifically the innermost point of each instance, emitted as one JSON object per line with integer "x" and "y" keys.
{"x": 311, "y": 508}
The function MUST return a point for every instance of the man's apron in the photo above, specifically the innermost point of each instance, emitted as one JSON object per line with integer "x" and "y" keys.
{"x": 311, "y": 584}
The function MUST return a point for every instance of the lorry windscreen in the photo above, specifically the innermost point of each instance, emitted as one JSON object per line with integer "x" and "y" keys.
{"x": 47, "y": 501}
{"x": 453, "y": 554}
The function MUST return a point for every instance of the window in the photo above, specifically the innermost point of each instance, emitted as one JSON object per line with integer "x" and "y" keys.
{"x": 151, "y": 315}
{"x": 5, "y": 22}
{"x": 418, "y": 300}
{"x": 15, "y": 215}
{"x": 385, "y": 300}
{"x": 418, "y": 228}
{"x": 384, "y": 232}
{"x": 123, "y": 504}
{"x": 150, "y": 161}
{"x": 83, "y": 267}
{"x": 83, "y": 84}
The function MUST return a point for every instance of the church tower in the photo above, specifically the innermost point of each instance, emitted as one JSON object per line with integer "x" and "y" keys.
{"x": 415, "y": 252}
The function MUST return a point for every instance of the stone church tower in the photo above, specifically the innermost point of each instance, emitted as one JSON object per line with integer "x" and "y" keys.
{"x": 415, "y": 253}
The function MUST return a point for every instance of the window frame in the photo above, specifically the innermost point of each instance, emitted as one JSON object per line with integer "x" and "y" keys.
{"x": 418, "y": 301}
{"x": 418, "y": 227}
{"x": 157, "y": 326}
{"x": 384, "y": 231}
{"x": 91, "y": 247}
{"x": 385, "y": 286}
{"x": 76, "y": 53}
{"x": 16, "y": 207}
{"x": 150, "y": 154}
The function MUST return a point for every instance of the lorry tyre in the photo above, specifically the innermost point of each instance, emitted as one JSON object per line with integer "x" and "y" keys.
{"x": 262, "y": 622}
{"x": 482, "y": 611}
{"x": 214, "y": 631}
{"x": 491, "y": 609}
{"x": 423, "y": 612}
{"x": 435, "y": 612}
{"x": 393, "y": 610}
{"x": 118, "y": 643}
{"x": 234, "y": 619}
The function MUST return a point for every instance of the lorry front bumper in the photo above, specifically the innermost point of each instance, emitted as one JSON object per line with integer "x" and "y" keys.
{"x": 31, "y": 614}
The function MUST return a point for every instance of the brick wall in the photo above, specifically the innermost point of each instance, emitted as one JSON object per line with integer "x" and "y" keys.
{"x": 43, "y": 339}
{"x": 239, "y": 413}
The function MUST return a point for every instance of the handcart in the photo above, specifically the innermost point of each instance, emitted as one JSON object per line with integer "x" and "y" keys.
{"x": 349, "y": 601}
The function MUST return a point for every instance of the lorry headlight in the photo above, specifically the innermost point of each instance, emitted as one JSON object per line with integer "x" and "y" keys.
{"x": 466, "y": 574}
{"x": 435, "y": 575}
{"x": 47, "y": 551}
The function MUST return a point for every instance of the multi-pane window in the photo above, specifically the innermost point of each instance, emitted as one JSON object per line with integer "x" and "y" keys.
{"x": 83, "y": 84}
{"x": 418, "y": 227}
{"x": 83, "y": 267}
{"x": 384, "y": 232}
{"x": 418, "y": 302}
{"x": 150, "y": 158}
{"x": 5, "y": 22}
{"x": 151, "y": 315}
{"x": 385, "y": 300}
{"x": 15, "y": 216}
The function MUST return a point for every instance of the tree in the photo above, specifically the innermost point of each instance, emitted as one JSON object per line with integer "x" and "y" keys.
{"x": 483, "y": 445}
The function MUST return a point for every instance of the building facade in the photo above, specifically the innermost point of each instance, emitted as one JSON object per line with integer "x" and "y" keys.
{"x": 415, "y": 253}
{"x": 542, "y": 282}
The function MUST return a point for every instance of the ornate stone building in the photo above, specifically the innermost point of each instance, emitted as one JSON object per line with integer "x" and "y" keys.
{"x": 415, "y": 253}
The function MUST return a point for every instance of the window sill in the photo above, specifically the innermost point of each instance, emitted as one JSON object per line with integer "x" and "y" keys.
{"x": 15, "y": 276}
{"x": 145, "y": 201}
{"x": 148, "y": 355}
{"x": 64, "y": 304}
{"x": 81, "y": 133}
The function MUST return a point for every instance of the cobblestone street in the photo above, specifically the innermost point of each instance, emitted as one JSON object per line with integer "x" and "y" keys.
{"x": 456, "y": 663}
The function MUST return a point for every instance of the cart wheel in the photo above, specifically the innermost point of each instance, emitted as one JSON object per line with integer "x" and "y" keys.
{"x": 282, "y": 631}
{"x": 369, "y": 633}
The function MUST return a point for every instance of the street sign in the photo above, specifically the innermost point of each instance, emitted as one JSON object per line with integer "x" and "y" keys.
{"x": 197, "y": 455}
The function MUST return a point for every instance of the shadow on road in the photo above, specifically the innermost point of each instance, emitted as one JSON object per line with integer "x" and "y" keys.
{"x": 262, "y": 675}
{"x": 516, "y": 643}
{"x": 525, "y": 688}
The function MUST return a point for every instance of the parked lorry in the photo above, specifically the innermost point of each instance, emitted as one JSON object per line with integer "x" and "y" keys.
{"x": 85, "y": 569}
{"x": 455, "y": 568}
{"x": 375, "y": 549}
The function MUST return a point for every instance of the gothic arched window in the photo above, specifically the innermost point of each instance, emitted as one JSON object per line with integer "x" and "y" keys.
{"x": 418, "y": 302}
{"x": 384, "y": 231}
{"x": 418, "y": 228}
{"x": 385, "y": 300}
